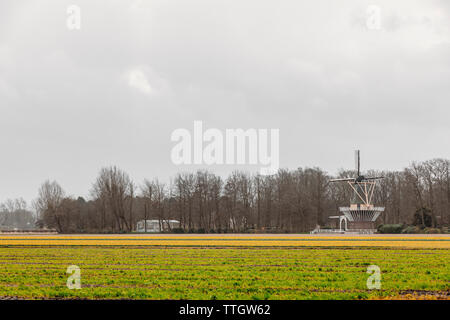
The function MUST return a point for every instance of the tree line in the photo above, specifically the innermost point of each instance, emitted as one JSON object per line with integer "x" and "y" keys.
{"x": 289, "y": 201}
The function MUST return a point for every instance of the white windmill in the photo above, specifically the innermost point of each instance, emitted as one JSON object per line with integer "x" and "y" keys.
{"x": 361, "y": 214}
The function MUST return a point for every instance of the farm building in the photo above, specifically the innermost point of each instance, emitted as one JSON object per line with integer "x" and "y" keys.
{"x": 157, "y": 225}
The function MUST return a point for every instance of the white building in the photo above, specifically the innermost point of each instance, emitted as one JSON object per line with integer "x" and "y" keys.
{"x": 156, "y": 225}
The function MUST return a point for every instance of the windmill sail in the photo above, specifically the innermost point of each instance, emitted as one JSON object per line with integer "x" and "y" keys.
{"x": 357, "y": 163}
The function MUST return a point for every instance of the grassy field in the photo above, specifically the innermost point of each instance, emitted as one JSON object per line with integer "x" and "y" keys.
{"x": 224, "y": 266}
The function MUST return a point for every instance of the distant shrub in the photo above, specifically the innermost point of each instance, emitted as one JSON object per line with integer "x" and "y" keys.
{"x": 390, "y": 228}
{"x": 422, "y": 218}
{"x": 411, "y": 229}
{"x": 178, "y": 230}
{"x": 431, "y": 230}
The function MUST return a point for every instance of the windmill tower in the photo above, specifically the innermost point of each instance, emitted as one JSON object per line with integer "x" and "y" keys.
{"x": 361, "y": 215}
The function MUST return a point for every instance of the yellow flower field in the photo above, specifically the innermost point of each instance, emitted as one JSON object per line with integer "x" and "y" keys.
{"x": 258, "y": 240}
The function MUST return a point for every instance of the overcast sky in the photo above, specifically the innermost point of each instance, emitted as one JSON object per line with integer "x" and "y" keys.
{"x": 112, "y": 93}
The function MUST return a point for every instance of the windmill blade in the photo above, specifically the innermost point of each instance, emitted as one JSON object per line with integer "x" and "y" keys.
{"x": 343, "y": 179}
{"x": 357, "y": 163}
{"x": 373, "y": 178}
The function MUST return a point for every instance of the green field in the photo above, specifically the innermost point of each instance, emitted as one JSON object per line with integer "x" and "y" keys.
{"x": 147, "y": 272}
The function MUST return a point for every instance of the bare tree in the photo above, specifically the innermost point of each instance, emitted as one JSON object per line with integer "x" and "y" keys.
{"x": 49, "y": 204}
{"x": 115, "y": 187}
